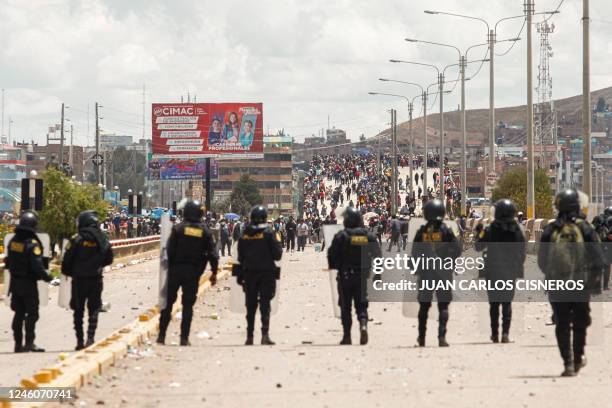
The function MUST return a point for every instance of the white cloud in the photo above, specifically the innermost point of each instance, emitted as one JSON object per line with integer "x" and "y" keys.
{"x": 304, "y": 60}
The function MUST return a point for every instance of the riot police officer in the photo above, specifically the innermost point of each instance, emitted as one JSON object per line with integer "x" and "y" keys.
{"x": 26, "y": 265}
{"x": 504, "y": 243}
{"x": 87, "y": 253}
{"x": 571, "y": 250}
{"x": 190, "y": 247}
{"x": 258, "y": 248}
{"x": 434, "y": 240}
{"x": 351, "y": 253}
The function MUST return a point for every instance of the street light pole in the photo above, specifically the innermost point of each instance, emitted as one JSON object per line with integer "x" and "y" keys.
{"x": 492, "y": 37}
{"x": 441, "y": 156}
{"x": 410, "y": 146}
{"x": 529, "y": 7}
{"x": 462, "y": 67}
{"x": 586, "y": 103}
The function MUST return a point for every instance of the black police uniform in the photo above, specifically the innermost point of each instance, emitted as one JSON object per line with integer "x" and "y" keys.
{"x": 87, "y": 253}
{"x": 258, "y": 248}
{"x": 434, "y": 240}
{"x": 190, "y": 247}
{"x": 572, "y": 314}
{"x": 504, "y": 243}
{"x": 25, "y": 263}
{"x": 351, "y": 253}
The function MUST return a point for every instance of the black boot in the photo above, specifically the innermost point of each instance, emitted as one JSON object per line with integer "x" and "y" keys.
{"x": 266, "y": 340}
{"x": 80, "y": 345}
{"x": 249, "y": 340}
{"x": 90, "y": 341}
{"x": 185, "y": 341}
{"x": 568, "y": 370}
{"x": 346, "y": 339}
{"x": 495, "y": 337}
{"x": 31, "y": 347}
{"x": 505, "y": 338}
{"x": 442, "y": 320}
{"x": 363, "y": 330}
{"x": 19, "y": 348}
{"x": 161, "y": 338}
{"x": 421, "y": 341}
{"x": 579, "y": 363}
{"x": 578, "y": 348}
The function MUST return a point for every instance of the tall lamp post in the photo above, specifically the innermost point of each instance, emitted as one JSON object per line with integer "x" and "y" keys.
{"x": 491, "y": 40}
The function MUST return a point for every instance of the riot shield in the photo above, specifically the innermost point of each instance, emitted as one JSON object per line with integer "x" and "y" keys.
{"x": 43, "y": 287}
{"x": 7, "y": 284}
{"x": 237, "y": 299}
{"x": 165, "y": 229}
{"x": 65, "y": 287}
{"x": 329, "y": 231}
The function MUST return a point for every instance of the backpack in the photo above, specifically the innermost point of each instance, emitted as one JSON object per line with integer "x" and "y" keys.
{"x": 567, "y": 253}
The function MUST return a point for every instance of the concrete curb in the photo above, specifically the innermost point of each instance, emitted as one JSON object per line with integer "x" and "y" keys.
{"x": 77, "y": 369}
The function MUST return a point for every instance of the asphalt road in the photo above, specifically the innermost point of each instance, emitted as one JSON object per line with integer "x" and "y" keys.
{"x": 307, "y": 367}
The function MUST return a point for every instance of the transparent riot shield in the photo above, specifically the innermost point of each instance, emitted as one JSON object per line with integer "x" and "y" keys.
{"x": 329, "y": 231}
{"x": 65, "y": 286}
{"x": 43, "y": 287}
{"x": 7, "y": 283}
{"x": 237, "y": 297}
{"x": 165, "y": 229}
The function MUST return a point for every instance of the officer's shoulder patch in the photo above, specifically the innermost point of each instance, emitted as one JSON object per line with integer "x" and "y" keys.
{"x": 359, "y": 240}
{"x": 259, "y": 235}
{"x": 37, "y": 251}
{"x": 432, "y": 237}
{"x": 17, "y": 246}
{"x": 194, "y": 232}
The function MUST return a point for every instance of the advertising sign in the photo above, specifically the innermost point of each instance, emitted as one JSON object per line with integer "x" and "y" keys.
{"x": 163, "y": 168}
{"x": 192, "y": 130}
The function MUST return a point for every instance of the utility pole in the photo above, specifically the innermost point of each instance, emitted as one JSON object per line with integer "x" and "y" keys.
{"x": 10, "y": 123}
{"x": 586, "y": 103}
{"x": 492, "y": 39}
{"x": 441, "y": 84}
{"x": 529, "y": 9}
{"x": 462, "y": 64}
{"x": 97, "y": 167}
{"x": 2, "y": 129}
{"x": 424, "y": 142}
{"x": 70, "y": 148}
{"x": 394, "y": 159}
{"x": 61, "y": 161}
{"x": 410, "y": 146}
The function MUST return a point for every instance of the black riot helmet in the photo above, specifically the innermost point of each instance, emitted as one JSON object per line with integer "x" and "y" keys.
{"x": 434, "y": 210}
{"x": 352, "y": 218}
{"x": 87, "y": 219}
{"x": 259, "y": 215}
{"x": 193, "y": 211}
{"x": 567, "y": 201}
{"x": 597, "y": 221}
{"x": 505, "y": 210}
{"x": 608, "y": 211}
{"x": 28, "y": 219}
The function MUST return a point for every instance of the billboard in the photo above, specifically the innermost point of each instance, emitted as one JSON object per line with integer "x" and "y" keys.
{"x": 163, "y": 168}
{"x": 208, "y": 130}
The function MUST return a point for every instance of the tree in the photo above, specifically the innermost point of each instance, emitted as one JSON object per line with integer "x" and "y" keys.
{"x": 245, "y": 195}
{"x": 64, "y": 200}
{"x": 128, "y": 167}
{"x": 601, "y": 105}
{"x": 513, "y": 185}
